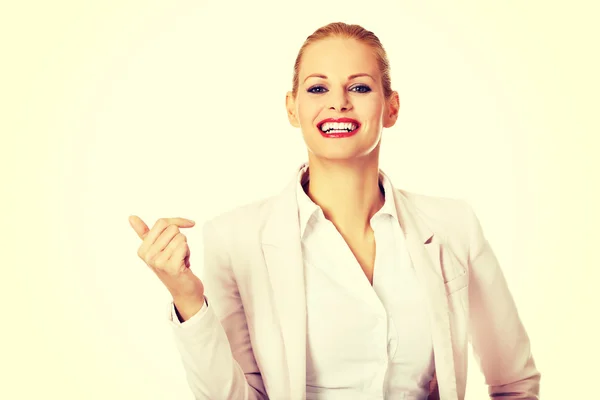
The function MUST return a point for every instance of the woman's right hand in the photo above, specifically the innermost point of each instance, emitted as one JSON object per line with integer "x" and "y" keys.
{"x": 165, "y": 250}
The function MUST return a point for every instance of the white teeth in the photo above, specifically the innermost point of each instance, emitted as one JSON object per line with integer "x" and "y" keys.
{"x": 349, "y": 126}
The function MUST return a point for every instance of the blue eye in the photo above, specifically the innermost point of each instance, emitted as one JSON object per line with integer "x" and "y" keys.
{"x": 362, "y": 89}
{"x": 317, "y": 89}
{"x": 356, "y": 89}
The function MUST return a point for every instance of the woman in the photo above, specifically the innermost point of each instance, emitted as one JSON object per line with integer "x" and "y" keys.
{"x": 342, "y": 286}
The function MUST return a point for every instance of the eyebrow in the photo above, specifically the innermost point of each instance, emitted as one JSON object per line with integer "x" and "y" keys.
{"x": 349, "y": 77}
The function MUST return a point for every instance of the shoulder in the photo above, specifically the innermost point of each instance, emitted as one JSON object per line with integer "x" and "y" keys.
{"x": 451, "y": 218}
{"x": 437, "y": 210}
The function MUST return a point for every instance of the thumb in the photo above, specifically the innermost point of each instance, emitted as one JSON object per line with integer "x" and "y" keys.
{"x": 138, "y": 226}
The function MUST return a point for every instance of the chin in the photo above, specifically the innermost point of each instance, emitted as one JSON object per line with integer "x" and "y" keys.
{"x": 340, "y": 154}
{"x": 341, "y": 149}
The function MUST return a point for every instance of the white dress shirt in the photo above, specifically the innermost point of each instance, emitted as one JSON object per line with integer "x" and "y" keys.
{"x": 363, "y": 341}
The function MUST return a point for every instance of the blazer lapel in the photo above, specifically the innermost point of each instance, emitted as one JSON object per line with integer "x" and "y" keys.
{"x": 424, "y": 250}
{"x": 282, "y": 250}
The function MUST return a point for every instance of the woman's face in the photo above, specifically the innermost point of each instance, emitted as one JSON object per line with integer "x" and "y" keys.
{"x": 340, "y": 105}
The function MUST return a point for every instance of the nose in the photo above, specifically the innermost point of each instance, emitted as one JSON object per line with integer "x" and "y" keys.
{"x": 339, "y": 100}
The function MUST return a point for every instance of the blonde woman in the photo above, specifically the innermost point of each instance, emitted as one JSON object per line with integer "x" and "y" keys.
{"x": 342, "y": 286}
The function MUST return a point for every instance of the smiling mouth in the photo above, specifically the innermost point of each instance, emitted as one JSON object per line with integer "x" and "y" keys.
{"x": 338, "y": 127}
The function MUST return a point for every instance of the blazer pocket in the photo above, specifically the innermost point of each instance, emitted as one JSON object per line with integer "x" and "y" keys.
{"x": 457, "y": 283}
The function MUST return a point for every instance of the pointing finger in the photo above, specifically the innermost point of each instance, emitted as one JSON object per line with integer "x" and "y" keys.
{"x": 142, "y": 229}
{"x": 180, "y": 222}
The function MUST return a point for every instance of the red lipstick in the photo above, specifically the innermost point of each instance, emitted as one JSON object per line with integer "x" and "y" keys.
{"x": 339, "y": 133}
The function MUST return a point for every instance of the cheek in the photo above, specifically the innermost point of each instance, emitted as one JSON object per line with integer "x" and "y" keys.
{"x": 375, "y": 112}
{"x": 307, "y": 112}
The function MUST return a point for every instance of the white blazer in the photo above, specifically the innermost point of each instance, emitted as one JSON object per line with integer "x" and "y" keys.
{"x": 251, "y": 344}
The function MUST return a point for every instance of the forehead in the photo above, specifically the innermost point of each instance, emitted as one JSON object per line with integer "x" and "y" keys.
{"x": 338, "y": 56}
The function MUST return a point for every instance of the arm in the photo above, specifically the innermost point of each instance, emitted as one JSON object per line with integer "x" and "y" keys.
{"x": 500, "y": 343}
{"x": 214, "y": 344}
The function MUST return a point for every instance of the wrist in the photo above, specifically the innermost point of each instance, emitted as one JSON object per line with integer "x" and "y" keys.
{"x": 187, "y": 307}
{"x": 190, "y": 293}
{"x": 186, "y": 287}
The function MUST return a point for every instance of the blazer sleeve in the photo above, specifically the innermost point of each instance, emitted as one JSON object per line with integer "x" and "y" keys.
{"x": 215, "y": 350}
{"x": 499, "y": 340}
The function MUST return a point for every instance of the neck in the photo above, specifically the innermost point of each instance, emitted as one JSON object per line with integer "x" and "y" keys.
{"x": 348, "y": 192}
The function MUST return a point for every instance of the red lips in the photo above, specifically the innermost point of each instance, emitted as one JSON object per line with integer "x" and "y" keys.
{"x": 339, "y": 134}
{"x": 339, "y": 120}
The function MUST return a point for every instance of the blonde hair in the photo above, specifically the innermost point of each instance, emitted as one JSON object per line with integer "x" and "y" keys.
{"x": 348, "y": 31}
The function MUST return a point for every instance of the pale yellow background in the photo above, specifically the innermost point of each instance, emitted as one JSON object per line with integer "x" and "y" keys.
{"x": 112, "y": 108}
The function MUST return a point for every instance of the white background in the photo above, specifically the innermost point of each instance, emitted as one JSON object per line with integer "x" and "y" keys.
{"x": 177, "y": 109}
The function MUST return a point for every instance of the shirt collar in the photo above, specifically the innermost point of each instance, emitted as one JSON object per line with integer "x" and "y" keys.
{"x": 307, "y": 208}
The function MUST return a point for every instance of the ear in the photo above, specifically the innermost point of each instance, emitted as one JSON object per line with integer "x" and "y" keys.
{"x": 392, "y": 110}
{"x": 290, "y": 105}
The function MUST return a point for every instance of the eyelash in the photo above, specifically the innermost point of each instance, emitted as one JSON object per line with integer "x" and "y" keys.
{"x": 368, "y": 89}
